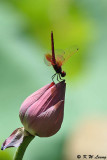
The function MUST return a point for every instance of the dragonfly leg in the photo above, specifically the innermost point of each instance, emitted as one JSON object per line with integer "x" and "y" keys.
{"x": 60, "y": 77}
{"x": 53, "y": 77}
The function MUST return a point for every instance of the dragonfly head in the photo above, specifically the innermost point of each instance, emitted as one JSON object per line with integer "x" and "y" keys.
{"x": 63, "y": 74}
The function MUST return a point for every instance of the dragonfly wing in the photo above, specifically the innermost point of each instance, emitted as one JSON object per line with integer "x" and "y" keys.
{"x": 61, "y": 56}
{"x": 48, "y": 63}
{"x": 59, "y": 52}
{"x": 48, "y": 60}
{"x": 69, "y": 52}
{"x": 60, "y": 59}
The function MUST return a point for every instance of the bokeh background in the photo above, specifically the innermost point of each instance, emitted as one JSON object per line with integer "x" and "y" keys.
{"x": 25, "y": 28}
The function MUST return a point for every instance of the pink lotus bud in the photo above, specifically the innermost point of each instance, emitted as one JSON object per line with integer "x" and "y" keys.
{"x": 42, "y": 112}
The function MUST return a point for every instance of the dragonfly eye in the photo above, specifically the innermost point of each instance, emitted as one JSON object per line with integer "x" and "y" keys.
{"x": 63, "y": 74}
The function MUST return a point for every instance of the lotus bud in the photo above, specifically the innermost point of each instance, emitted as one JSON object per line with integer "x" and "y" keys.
{"x": 41, "y": 114}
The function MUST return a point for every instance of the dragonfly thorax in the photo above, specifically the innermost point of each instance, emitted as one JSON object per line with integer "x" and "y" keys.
{"x": 58, "y": 69}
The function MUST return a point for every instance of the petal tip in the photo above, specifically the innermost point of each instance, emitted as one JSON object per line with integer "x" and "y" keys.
{"x": 61, "y": 102}
{"x": 2, "y": 148}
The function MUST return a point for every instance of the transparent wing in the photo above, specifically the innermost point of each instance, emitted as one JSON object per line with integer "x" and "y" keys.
{"x": 61, "y": 56}
{"x": 58, "y": 56}
{"x": 59, "y": 52}
{"x": 48, "y": 59}
{"x": 69, "y": 52}
{"x": 47, "y": 62}
{"x": 60, "y": 59}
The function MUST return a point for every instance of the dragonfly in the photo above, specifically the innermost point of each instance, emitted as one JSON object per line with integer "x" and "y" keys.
{"x": 51, "y": 59}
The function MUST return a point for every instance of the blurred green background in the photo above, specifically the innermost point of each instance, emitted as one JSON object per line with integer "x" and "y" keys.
{"x": 25, "y": 28}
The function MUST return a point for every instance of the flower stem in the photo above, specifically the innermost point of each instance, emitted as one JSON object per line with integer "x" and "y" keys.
{"x": 22, "y": 148}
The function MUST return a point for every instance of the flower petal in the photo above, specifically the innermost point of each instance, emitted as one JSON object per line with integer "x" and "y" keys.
{"x": 49, "y": 122}
{"x": 32, "y": 99}
{"x": 51, "y": 97}
{"x": 14, "y": 140}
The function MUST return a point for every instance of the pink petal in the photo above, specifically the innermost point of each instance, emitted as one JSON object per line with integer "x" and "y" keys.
{"x": 14, "y": 140}
{"x": 52, "y": 96}
{"x": 32, "y": 99}
{"x": 48, "y": 122}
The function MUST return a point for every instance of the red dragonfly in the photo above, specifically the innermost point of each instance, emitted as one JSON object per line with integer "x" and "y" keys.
{"x": 58, "y": 60}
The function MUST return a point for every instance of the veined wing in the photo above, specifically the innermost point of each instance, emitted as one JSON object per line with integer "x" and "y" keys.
{"x": 69, "y": 52}
{"x": 48, "y": 59}
{"x": 58, "y": 56}
{"x": 61, "y": 56}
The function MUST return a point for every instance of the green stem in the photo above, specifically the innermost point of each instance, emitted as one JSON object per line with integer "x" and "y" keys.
{"x": 22, "y": 148}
